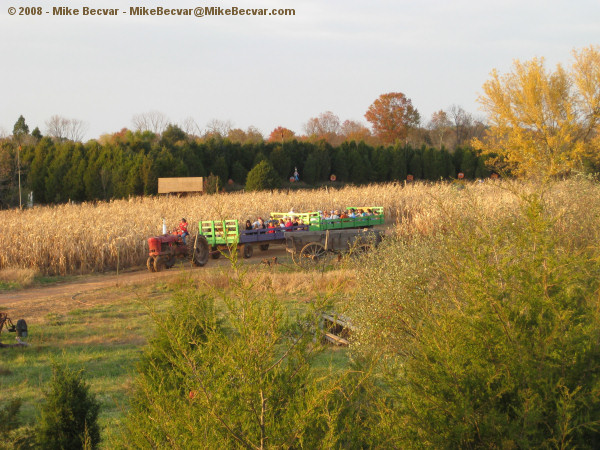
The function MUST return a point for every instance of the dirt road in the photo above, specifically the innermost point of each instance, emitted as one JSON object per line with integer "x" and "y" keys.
{"x": 88, "y": 283}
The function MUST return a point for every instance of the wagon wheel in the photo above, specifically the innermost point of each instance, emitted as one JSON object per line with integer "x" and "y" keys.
{"x": 311, "y": 253}
{"x": 159, "y": 264}
{"x": 150, "y": 263}
{"x": 264, "y": 247}
{"x": 200, "y": 252}
{"x": 216, "y": 254}
{"x": 248, "y": 250}
{"x": 296, "y": 257}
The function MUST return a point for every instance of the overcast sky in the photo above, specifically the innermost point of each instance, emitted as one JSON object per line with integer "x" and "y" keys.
{"x": 333, "y": 55}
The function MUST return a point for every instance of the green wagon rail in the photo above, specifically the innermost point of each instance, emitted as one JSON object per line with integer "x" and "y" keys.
{"x": 316, "y": 223}
{"x": 219, "y": 232}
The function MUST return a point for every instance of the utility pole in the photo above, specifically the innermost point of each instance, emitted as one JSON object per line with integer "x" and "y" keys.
{"x": 19, "y": 170}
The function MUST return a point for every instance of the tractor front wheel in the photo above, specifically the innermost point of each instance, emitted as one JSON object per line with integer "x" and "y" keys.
{"x": 159, "y": 264}
{"x": 150, "y": 263}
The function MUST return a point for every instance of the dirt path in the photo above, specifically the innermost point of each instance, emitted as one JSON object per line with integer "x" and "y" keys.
{"x": 89, "y": 283}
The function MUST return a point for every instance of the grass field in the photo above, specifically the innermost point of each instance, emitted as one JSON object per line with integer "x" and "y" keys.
{"x": 102, "y": 332}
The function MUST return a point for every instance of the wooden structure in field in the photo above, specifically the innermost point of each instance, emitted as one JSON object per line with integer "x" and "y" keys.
{"x": 184, "y": 185}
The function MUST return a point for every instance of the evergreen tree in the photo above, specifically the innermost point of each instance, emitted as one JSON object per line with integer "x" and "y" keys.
{"x": 245, "y": 381}
{"x": 281, "y": 162}
{"x": 37, "y": 134}
{"x": 340, "y": 165}
{"x": 20, "y": 129}
{"x": 239, "y": 173}
{"x": 262, "y": 176}
{"x": 399, "y": 163}
{"x": 449, "y": 170}
{"x": 482, "y": 171}
{"x": 311, "y": 169}
{"x": 69, "y": 414}
{"x": 415, "y": 166}
{"x": 172, "y": 135}
{"x": 468, "y": 164}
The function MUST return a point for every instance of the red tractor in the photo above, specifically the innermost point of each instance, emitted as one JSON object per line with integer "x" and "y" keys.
{"x": 166, "y": 249}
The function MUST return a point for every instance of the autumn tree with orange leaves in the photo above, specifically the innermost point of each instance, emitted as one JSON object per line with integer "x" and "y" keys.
{"x": 280, "y": 134}
{"x": 391, "y": 116}
{"x": 352, "y": 130}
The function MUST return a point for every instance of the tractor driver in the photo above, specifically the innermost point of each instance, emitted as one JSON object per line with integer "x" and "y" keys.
{"x": 183, "y": 231}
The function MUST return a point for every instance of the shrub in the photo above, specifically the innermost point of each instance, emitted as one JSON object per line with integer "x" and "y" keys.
{"x": 9, "y": 417}
{"x": 262, "y": 176}
{"x": 243, "y": 382}
{"x": 69, "y": 414}
{"x": 490, "y": 329}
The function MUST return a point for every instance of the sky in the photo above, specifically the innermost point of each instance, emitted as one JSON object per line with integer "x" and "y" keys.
{"x": 269, "y": 71}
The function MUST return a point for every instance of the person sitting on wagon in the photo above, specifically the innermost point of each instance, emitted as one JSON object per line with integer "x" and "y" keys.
{"x": 248, "y": 225}
{"x": 294, "y": 221}
{"x": 183, "y": 231}
{"x": 272, "y": 224}
{"x": 352, "y": 214}
{"x": 344, "y": 215}
{"x": 288, "y": 223}
{"x": 260, "y": 224}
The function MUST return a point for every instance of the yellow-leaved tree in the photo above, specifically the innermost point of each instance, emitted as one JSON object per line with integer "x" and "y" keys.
{"x": 544, "y": 123}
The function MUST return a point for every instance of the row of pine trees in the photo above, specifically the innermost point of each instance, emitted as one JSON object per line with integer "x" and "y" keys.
{"x": 130, "y": 163}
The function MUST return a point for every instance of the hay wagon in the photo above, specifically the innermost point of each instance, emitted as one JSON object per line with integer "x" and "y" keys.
{"x": 221, "y": 235}
{"x": 345, "y": 234}
{"x": 310, "y": 247}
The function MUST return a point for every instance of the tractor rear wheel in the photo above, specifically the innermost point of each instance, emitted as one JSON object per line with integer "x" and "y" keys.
{"x": 248, "y": 250}
{"x": 150, "y": 263}
{"x": 159, "y": 264}
{"x": 199, "y": 254}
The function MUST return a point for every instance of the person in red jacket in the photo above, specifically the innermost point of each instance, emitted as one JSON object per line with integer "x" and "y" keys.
{"x": 183, "y": 231}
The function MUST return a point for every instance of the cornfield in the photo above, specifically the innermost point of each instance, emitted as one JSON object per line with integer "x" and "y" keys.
{"x": 95, "y": 237}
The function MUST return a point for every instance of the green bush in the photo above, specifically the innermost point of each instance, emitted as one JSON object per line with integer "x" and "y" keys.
{"x": 262, "y": 176}
{"x": 9, "y": 417}
{"x": 69, "y": 414}
{"x": 244, "y": 381}
{"x": 490, "y": 330}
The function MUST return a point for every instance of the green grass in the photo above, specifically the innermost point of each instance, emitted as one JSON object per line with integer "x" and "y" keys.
{"x": 9, "y": 286}
{"x": 105, "y": 340}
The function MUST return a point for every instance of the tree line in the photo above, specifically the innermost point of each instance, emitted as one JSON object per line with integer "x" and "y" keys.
{"x": 130, "y": 163}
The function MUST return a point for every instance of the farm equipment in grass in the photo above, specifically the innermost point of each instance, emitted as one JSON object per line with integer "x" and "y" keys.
{"x": 20, "y": 329}
{"x": 165, "y": 250}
